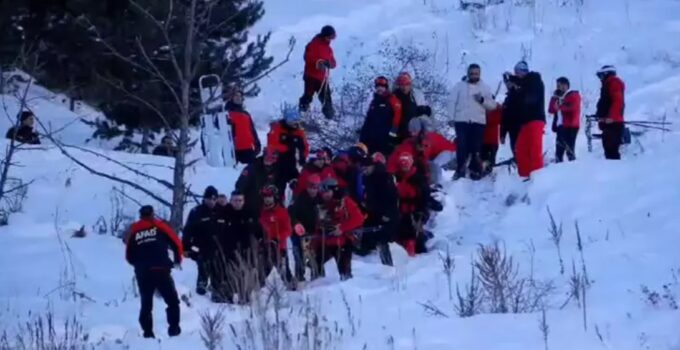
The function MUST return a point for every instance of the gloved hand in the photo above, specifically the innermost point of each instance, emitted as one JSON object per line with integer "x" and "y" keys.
{"x": 554, "y": 125}
{"x": 299, "y": 229}
{"x": 302, "y": 161}
{"x": 479, "y": 98}
{"x": 292, "y": 184}
{"x": 323, "y": 65}
{"x": 394, "y": 137}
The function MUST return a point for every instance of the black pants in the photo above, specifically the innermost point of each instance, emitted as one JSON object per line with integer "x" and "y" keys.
{"x": 342, "y": 255}
{"x": 275, "y": 258}
{"x": 161, "y": 281}
{"x": 488, "y": 156}
{"x": 469, "y": 137}
{"x": 612, "y": 135}
{"x": 245, "y": 156}
{"x": 299, "y": 257}
{"x": 566, "y": 142}
{"x": 323, "y": 91}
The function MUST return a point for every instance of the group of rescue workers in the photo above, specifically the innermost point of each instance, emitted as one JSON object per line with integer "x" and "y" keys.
{"x": 355, "y": 201}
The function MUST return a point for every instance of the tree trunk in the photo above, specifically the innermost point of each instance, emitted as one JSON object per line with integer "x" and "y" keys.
{"x": 186, "y": 78}
{"x": 146, "y": 140}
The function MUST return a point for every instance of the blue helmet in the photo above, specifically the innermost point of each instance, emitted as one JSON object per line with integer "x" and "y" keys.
{"x": 291, "y": 115}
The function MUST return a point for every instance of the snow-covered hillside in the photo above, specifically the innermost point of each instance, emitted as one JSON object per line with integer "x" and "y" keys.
{"x": 626, "y": 211}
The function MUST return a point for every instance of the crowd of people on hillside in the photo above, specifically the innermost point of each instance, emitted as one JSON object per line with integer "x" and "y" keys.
{"x": 354, "y": 201}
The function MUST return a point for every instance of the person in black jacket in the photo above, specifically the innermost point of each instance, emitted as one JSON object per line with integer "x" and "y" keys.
{"x": 24, "y": 133}
{"x": 146, "y": 249}
{"x": 382, "y": 206}
{"x": 166, "y": 148}
{"x": 304, "y": 216}
{"x": 530, "y": 95}
{"x": 238, "y": 244}
{"x": 264, "y": 171}
{"x": 203, "y": 228}
{"x": 409, "y": 106}
{"x": 382, "y": 119}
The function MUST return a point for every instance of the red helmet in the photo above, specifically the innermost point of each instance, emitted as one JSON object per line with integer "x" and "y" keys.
{"x": 269, "y": 191}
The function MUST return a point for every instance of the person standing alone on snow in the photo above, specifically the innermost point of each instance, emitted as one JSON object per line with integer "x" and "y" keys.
{"x": 319, "y": 60}
{"x": 246, "y": 142}
{"x": 469, "y": 101}
{"x": 531, "y": 95}
{"x": 146, "y": 249}
{"x": 565, "y": 105}
{"x": 610, "y": 109}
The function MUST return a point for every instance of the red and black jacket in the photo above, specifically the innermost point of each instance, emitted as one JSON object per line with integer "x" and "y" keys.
{"x": 308, "y": 170}
{"x": 318, "y": 49}
{"x": 612, "y": 103}
{"x": 570, "y": 109}
{"x": 345, "y": 213}
{"x": 276, "y": 225}
{"x": 413, "y": 191}
{"x": 148, "y": 243}
{"x": 242, "y": 128}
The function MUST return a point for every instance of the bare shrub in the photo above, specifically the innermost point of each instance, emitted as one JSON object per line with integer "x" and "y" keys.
{"x": 212, "y": 328}
{"x": 505, "y": 290}
{"x": 556, "y": 236}
{"x": 668, "y": 295}
{"x": 448, "y": 266}
{"x": 353, "y": 93}
{"x": 44, "y": 332}
{"x": 470, "y": 301}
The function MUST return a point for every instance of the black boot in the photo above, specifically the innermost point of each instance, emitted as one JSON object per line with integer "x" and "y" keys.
{"x": 385, "y": 254}
{"x": 149, "y": 334}
{"x": 328, "y": 111}
{"x": 174, "y": 331}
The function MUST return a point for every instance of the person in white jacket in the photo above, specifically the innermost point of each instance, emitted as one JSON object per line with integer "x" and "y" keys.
{"x": 468, "y": 103}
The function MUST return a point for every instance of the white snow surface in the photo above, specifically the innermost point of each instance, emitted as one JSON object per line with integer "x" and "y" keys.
{"x": 626, "y": 211}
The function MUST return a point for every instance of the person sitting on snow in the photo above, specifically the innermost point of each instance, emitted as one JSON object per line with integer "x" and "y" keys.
{"x": 24, "y": 133}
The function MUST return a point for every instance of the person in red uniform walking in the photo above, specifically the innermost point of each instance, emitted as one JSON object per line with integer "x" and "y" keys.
{"x": 610, "y": 108}
{"x": 339, "y": 216}
{"x": 491, "y": 139}
{"x": 565, "y": 106}
{"x": 529, "y": 146}
{"x": 277, "y": 228}
{"x": 319, "y": 60}
{"x": 246, "y": 142}
{"x": 146, "y": 249}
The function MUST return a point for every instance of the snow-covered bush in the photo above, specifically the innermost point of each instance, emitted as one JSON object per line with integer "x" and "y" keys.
{"x": 353, "y": 95}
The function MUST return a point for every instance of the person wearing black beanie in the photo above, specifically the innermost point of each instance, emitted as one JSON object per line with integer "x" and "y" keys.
{"x": 319, "y": 60}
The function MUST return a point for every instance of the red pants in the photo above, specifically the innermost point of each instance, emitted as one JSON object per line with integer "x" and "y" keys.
{"x": 529, "y": 148}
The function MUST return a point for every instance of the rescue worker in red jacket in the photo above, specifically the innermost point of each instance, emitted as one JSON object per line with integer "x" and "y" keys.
{"x": 339, "y": 216}
{"x": 277, "y": 228}
{"x": 414, "y": 193}
{"x": 565, "y": 106}
{"x": 491, "y": 139}
{"x": 409, "y": 107}
{"x": 319, "y": 60}
{"x": 147, "y": 246}
{"x": 383, "y": 116}
{"x": 289, "y": 140}
{"x": 246, "y": 142}
{"x": 317, "y": 165}
{"x": 430, "y": 150}
{"x": 610, "y": 108}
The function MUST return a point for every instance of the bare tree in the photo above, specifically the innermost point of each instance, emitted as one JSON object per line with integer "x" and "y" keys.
{"x": 177, "y": 82}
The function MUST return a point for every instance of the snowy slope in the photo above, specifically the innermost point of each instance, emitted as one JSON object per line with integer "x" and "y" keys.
{"x": 626, "y": 210}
